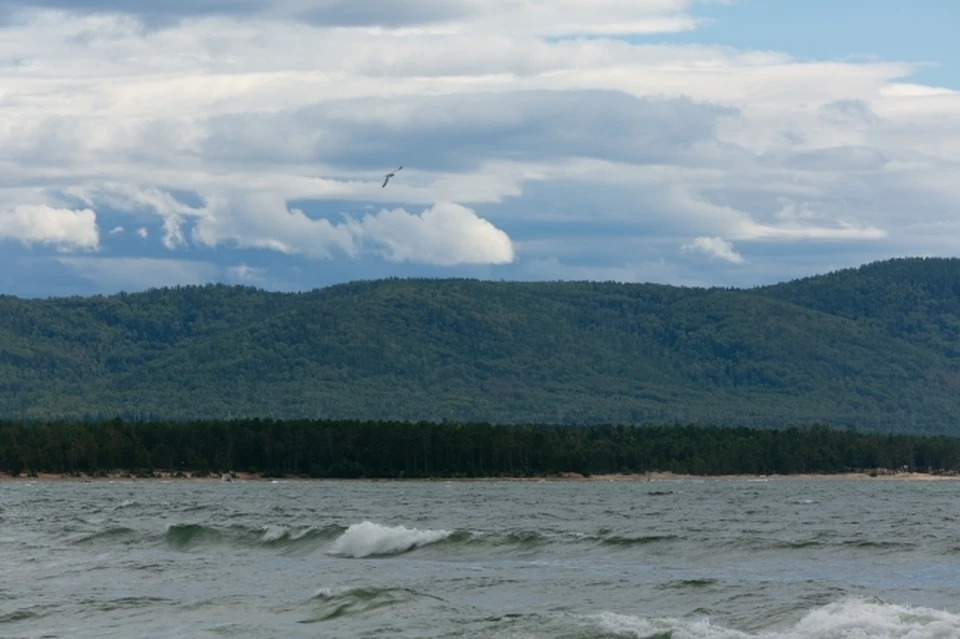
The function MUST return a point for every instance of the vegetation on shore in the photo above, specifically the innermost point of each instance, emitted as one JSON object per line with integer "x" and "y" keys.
{"x": 354, "y": 449}
{"x": 877, "y": 347}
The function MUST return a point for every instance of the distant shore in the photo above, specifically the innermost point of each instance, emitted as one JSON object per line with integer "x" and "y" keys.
{"x": 878, "y": 475}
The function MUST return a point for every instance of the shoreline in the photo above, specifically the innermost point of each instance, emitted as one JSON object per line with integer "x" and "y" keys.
{"x": 878, "y": 475}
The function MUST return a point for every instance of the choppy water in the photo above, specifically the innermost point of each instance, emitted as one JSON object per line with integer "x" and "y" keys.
{"x": 675, "y": 559}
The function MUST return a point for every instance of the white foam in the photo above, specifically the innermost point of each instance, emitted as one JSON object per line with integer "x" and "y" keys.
{"x": 859, "y": 619}
{"x": 327, "y": 592}
{"x": 641, "y": 627}
{"x": 367, "y": 538}
{"x": 273, "y": 533}
{"x": 848, "y": 619}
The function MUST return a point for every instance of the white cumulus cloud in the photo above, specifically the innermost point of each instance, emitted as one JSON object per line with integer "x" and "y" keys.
{"x": 66, "y": 229}
{"x": 715, "y": 248}
{"x": 446, "y": 234}
{"x": 263, "y": 220}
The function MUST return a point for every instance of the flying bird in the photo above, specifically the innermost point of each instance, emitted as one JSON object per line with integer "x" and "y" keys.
{"x": 390, "y": 175}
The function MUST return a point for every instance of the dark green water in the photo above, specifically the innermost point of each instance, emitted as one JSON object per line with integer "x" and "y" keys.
{"x": 677, "y": 559}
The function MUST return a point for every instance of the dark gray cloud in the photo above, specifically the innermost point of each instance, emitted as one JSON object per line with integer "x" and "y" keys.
{"x": 458, "y": 132}
{"x": 142, "y": 7}
{"x": 332, "y": 13}
{"x": 153, "y": 14}
{"x": 384, "y": 13}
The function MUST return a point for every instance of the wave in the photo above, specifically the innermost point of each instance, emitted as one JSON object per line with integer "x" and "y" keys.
{"x": 358, "y": 540}
{"x": 846, "y": 619}
{"x": 641, "y": 540}
{"x": 335, "y": 603}
{"x": 186, "y": 536}
{"x": 523, "y": 538}
{"x": 122, "y": 603}
{"x": 282, "y": 536}
{"x": 514, "y": 541}
{"x": 113, "y": 534}
{"x": 865, "y": 544}
{"x": 21, "y": 614}
{"x": 287, "y": 538}
{"x": 183, "y": 536}
{"x": 879, "y": 544}
{"x": 688, "y": 584}
{"x": 368, "y": 539}
{"x": 819, "y": 541}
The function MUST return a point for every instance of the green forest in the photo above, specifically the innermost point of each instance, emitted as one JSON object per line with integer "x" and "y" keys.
{"x": 356, "y": 449}
{"x": 876, "y": 347}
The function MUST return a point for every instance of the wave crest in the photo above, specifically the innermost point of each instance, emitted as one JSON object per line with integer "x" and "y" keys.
{"x": 183, "y": 536}
{"x": 847, "y": 619}
{"x": 368, "y": 539}
{"x": 334, "y": 603}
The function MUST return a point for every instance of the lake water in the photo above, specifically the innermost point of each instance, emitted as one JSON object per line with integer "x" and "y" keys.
{"x": 670, "y": 559}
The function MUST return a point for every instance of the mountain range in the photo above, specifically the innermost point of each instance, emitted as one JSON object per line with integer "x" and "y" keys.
{"x": 875, "y": 347}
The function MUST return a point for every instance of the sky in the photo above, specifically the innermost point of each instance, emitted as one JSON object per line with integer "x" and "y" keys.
{"x": 685, "y": 142}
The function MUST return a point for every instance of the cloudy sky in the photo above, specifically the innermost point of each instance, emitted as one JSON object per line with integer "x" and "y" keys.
{"x": 696, "y": 142}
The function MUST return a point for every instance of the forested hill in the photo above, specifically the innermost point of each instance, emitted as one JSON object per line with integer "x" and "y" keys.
{"x": 876, "y": 347}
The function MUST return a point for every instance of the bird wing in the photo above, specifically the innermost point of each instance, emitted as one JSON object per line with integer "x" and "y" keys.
{"x": 387, "y": 179}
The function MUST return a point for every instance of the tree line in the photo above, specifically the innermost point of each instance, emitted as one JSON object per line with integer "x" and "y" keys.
{"x": 366, "y": 449}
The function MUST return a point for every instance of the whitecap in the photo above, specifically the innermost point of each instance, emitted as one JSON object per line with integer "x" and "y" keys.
{"x": 847, "y": 619}
{"x": 369, "y": 539}
{"x": 273, "y": 533}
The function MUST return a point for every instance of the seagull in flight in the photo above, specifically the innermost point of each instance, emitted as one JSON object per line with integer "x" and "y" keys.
{"x": 390, "y": 175}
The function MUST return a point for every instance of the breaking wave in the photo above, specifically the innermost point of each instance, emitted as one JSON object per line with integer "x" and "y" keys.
{"x": 847, "y": 619}
{"x": 368, "y": 539}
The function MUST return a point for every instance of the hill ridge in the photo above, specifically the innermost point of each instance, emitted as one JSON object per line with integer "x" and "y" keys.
{"x": 818, "y": 349}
